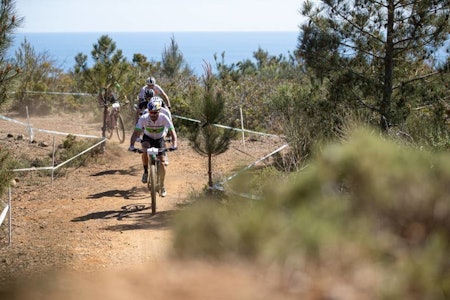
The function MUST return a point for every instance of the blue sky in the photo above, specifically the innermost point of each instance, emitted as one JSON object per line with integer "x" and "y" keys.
{"x": 158, "y": 15}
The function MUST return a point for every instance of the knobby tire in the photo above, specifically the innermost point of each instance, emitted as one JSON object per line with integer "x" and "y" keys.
{"x": 120, "y": 129}
{"x": 153, "y": 186}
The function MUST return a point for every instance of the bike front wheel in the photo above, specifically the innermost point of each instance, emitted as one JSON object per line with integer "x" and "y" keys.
{"x": 153, "y": 186}
{"x": 120, "y": 129}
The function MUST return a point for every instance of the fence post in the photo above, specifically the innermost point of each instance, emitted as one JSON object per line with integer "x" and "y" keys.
{"x": 242, "y": 126}
{"x": 53, "y": 158}
{"x": 30, "y": 129}
{"x": 9, "y": 216}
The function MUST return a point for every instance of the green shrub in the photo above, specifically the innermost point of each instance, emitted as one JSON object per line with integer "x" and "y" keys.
{"x": 367, "y": 203}
{"x": 427, "y": 127}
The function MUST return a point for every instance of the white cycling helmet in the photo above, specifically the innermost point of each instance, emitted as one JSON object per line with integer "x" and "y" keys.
{"x": 154, "y": 104}
{"x": 150, "y": 80}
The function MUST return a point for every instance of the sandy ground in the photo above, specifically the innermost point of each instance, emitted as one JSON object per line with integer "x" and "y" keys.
{"x": 90, "y": 234}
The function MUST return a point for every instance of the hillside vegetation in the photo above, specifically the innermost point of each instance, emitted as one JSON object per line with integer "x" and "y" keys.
{"x": 362, "y": 190}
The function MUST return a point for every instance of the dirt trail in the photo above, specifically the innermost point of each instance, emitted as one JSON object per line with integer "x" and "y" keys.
{"x": 99, "y": 216}
{"x": 94, "y": 224}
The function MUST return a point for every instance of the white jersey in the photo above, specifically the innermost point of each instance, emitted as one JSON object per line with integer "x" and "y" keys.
{"x": 166, "y": 112}
{"x": 157, "y": 91}
{"x": 154, "y": 129}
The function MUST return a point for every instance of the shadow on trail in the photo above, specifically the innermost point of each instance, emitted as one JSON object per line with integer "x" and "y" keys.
{"x": 126, "y": 194}
{"x": 141, "y": 214}
{"x": 112, "y": 214}
{"x": 160, "y": 220}
{"x": 130, "y": 171}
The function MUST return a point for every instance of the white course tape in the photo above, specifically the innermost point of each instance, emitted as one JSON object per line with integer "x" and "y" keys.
{"x": 227, "y": 127}
{"x": 60, "y": 93}
{"x": 12, "y": 120}
{"x": 49, "y": 131}
{"x": 251, "y": 165}
{"x": 3, "y": 215}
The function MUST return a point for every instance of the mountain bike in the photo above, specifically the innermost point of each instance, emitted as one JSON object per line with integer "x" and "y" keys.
{"x": 154, "y": 182}
{"x": 114, "y": 123}
{"x": 113, "y": 120}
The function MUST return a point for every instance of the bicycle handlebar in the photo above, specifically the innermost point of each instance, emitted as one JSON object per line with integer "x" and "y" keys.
{"x": 160, "y": 150}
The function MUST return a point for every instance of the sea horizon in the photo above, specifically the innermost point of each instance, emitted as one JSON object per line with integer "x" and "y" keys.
{"x": 146, "y": 31}
{"x": 195, "y": 46}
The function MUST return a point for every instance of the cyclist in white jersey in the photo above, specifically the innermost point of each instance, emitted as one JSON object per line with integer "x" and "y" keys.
{"x": 157, "y": 90}
{"x": 163, "y": 110}
{"x": 154, "y": 126}
{"x": 141, "y": 107}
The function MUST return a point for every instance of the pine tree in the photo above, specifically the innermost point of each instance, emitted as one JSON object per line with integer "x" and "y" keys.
{"x": 9, "y": 22}
{"x": 173, "y": 62}
{"x": 370, "y": 48}
{"x": 207, "y": 138}
{"x": 110, "y": 66}
{"x": 38, "y": 73}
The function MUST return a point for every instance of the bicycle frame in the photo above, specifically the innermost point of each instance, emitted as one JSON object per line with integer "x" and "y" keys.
{"x": 154, "y": 166}
{"x": 114, "y": 122}
{"x": 113, "y": 112}
{"x": 115, "y": 109}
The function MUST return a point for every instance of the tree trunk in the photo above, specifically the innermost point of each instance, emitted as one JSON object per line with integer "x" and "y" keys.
{"x": 210, "y": 181}
{"x": 385, "y": 105}
{"x": 105, "y": 116}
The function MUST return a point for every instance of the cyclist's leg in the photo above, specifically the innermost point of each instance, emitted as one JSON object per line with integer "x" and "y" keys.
{"x": 165, "y": 158}
{"x": 145, "y": 143}
{"x": 159, "y": 143}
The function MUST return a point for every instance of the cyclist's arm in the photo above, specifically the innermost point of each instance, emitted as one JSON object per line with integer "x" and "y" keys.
{"x": 141, "y": 95}
{"x": 166, "y": 99}
{"x": 136, "y": 133}
{"x": 173, "y": 134}
{"x": 138, "y": 129}
{"x": 163, "y": 95}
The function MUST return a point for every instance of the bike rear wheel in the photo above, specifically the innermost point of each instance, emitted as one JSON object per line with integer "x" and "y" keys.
{"x": 120, "y": 129}
{"x": 153, "y": 186}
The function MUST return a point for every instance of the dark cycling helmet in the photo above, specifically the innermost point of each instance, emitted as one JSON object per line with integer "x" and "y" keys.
{"x": 150, "y": 80}
{"x": 149, "y": 93}
{"x": 154, "y": 104}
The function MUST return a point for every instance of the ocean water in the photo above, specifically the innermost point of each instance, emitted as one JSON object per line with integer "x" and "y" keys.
{"x": 196, "y": 47}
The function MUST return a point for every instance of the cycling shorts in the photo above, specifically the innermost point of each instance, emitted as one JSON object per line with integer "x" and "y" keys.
{"x": 148, "y": 142}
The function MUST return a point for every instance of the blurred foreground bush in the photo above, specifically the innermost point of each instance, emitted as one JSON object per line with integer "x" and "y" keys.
{"x": 369, "y": 211}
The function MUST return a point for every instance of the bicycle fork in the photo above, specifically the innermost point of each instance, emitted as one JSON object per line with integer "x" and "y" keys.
{"x": 154, "y": 184}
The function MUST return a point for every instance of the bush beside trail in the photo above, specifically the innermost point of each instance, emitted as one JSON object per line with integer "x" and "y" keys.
{"x": 370, "y": 209}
